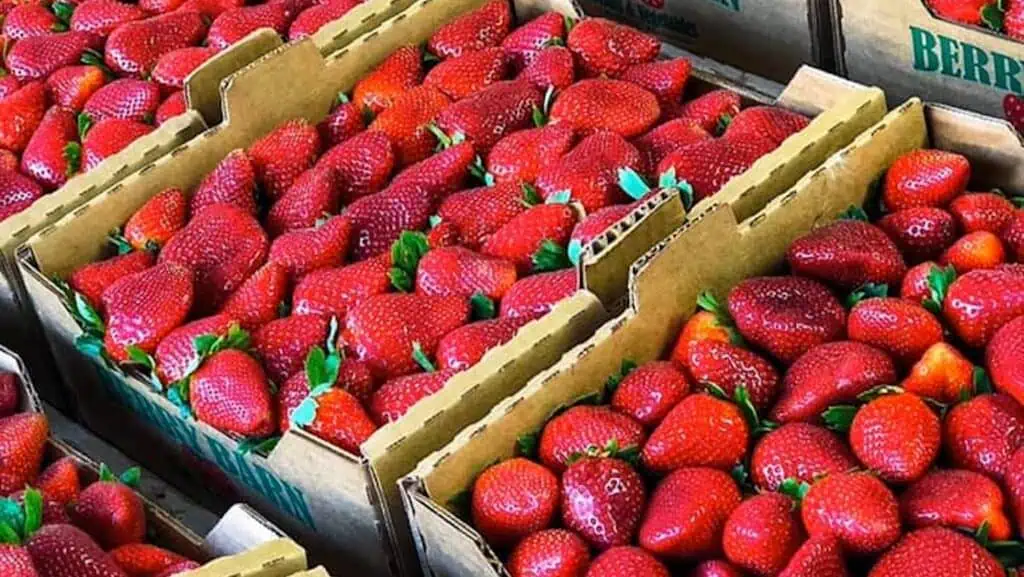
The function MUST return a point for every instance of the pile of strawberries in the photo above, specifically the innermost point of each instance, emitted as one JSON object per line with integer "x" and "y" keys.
{"x": 789, "y": 435}
{"x": 1004, "y": 16}
{"x": 255, "y": 309}
{"x": 85, "y": 79}
{"x": 51, "y": 526}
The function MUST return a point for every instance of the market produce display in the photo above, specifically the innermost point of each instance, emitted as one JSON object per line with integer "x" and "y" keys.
{"x": 858, "y": 415}
{"x": 1005, "y": 17}
{"x": 332, "y": 276}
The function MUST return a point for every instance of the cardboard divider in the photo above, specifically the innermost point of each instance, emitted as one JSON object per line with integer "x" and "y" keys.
{"x": 318, "y": 572}
{"x": 278, "y": 558}
{"x": 715, "y": 249}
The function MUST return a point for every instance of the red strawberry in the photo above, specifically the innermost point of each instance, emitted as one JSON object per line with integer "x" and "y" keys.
{"x": 313, "y": 195}
{"x": 480, "y": 29}
{"x": 648, "y": 393}
{"x": 526, "y": 42}
{"x": 605, "y": 47}
{"x": 925, "y": 178}
{"x": 92, "y": 279}
{"x": 405, "y": 122}
{"x": 595, "y": 225}
{"x": 602, "y": 501}
{"x": 398, "y": 73}
{"x": 856, "y": 508}
{"x": 532, "y": 238}
{"x": 59, "y": 550}
{"x": 920, "y": 233}
{"x": 157, "y": 221}
{"x": 160, "y": 6}
{"x": 533, "y": 297}
{"x": 108, "y": 137}
{"x": 27, "y": 20}
{"x": 956, "y": 499}
{"x": 22, "y": 444}
{"x": 1014, "y": 483}
{"x": 600, "y": 104}
{"x": 980, "y": 302}
{"x": 590, "y": 172}
{"x": 125, "y": 98}
{"x": 897, "y": 436}
{"x": 174, "y": 67}
{"x": 237, "y": 23}
{"x": 786, "y": 316}
{"x": 974, "y": 251}
{"x": 52, "y": 155}
{"x": 901, "y": 328}
{"x": 666, "y": 79}
{"x": 142, "y": 308}
{"x": 701, "y": 431}
{"x": 8, "y": 85}
{"x": 1003, "y": 359}
{"x": 942, "y": 374}
{"x": 233, "y": 182}
{"x": 479, "y": 212}
{"x": 485, "y": 117}
{"x": 583, "y": 429}
{"x": 798, "y": 451}
{"x": 139, "y": 559}
{"x": 817, "y": 557}
{"x": 465, "y": 346}
{"x": 549, "y": 553}
{"x": 514, "y": 499}
{"x": 379, "y": 219}
{"x": 283, "y": 344}
{"x": 210, "y": 9}
{"x": 468, "y": 74}
{"x": 17, "y": 192}
{"x": 443, "y": 235}
{"x": 963, "y": 11}
{"x": 133, "y": 49}
{"x": 363, "y": 164}
{"x": 396, "y": 397}
{"x": 8, "y": 161}
{"x": 1013, "y": 105}
{"x": 619, "y": 561}
{"x": 344, "y": 122}
{"x": 173, "y": 105}
{"x": 847, "y": 254}
{"x": 687, "y": 512}
{"x": 9, "y": 394}
{"x": 730, "y": 368}
{"x": 703, "y": 325}
{"x": 709, "y": 165}
{"x": 179, "y": 568}
{"x": 110, "y": 511}
{"x": 770, "y": 123}
{"x": 457, "y": 271}
{"x": 102, "y": 17}
{"x": 438, "y": 176}
{"x": 355, "y": 379}
{"x": 230, "y": 393}
{"x": 177, "y": 355}
{"x": 552, "y": 68}
{"x": 37, "y": 57}
{"x": 935, "y": 550}
{"x": 309, "y": 21}
{"x": 1013, "y": 24}
{"x": 666, "y": 138}
{"x": 982, "y": 211}
{"x": 72, "y": 86}
{"x": 713, "y": 111}
{"x": 281, "y": 156}
{"x": 333, "y": 291}
{"x": 716, "y": 568}
{"x": 762, "y": 534}
{"x": 982, "y": 434}
{"x": 20, "y": 115}
{"x": 323, "y": 246}
{"x": 258, "y": 300}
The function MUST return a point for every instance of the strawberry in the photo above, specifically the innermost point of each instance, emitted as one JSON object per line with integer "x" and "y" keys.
{"x": 981, "y": 211}
{"x": 142, "y": 308}
{"x": 716, "y": 568}
{"x": 363, "y": 164}
{"x": 124, "y": 98}
{"x": 237, "y": 23}
{"x": 713, "y": 111}
{"x": 383, "y": 329}
{"x": 72, "y": 86}
{"x": 665, "y": 138}
{"x": 259, "y": 299}
{"x": 160, "y": 6}
{"x": 856, "y": 508}
{"x": 479, "y": 212}
{"x": 313, "y": 195}
{"x": 405, "y": 122}
{"x": 223, "y": 245}
{"x": 619, "y": 561}
{"x": 1013, "y": 24}
{"x": 514, "y": 499}
{"x": 9, "y": 85}
{"x": 353, "y": 377}
{"x": 138, "y": 559}
{"x": 901, "y": 328}
{"x": 480, "y": 29}
{"x": 935, "y": 550}
{"x": 1013, "y": 105}
{"x": 230, "y": 393}
{"x": 602, "y": 501}
{"x": 605, "y": 47}
{"x": 48, "y": 158}
{"x": 590, "y": 172}
{"x": 9, "y": 394}
{"x": 974, "y": 251}
{"x": 20, "y": 115}
{"x": 594, "y": 225}
{"x": 762, "y": 534}
{"x": 665, "y": 79}
{"x": 134, "y": 48}
{"x": 553, "y": 68}
{"x": 687, "y": 513}
{"x": 649, "y": 392}
{"x": 92, "y": 279}
{"x": 925, "y": 178}
{"x": 527, "y": 42}
{"x": 585, "y": 429}
{"x": 701, "y": 431}
{"x": 102, "y": 17}
{"x": 962, "y": 11}
{"x": 549, "y": 553}
{"x": 534, "y": 240}
{"x": 174, "y": 67}
{"x": 1003, "y": 359}
{"x": 283, "y": 344}
{"x": 847, "y": 254}
{"x": 343, "y": 122}
{"x": 943, "y": 374}
{"x": 27, "y": 20}
{"x": 770, "y": 123}
{"x": 817, "y": 557}
{"x": 37, "y": 57}
{"x": 533, "y": 297}
{"x": 380, "y": 219}
{"x": 173, "y": 105}
{"x": 465, "y": 346}
{"x": 22, "y": 444}
{"x": 17, "y": 192}
{"x": 443, "y": 235}
{"x": 179, "y": 568}
{"x": 485, "y": 117}
{"x": 397, "y": 396}
{"x": 8, "y": 161}
{"x": 233, "y": 182}
{"x": 333, "y": 291}
{"x": 729, "y": 367}
{"x": 323, "y": 246}
{"x": 709, "y": 165}
{"x": 601, "y": 104}
{"x": 786, "y": 316}
{"x": 60, "y": 550}
{"x": 703, "y": 325}
{"x": 309, "y": 21}
{"x": 798, "y": 451}
{"x": 110, "y": 511}
{"x": 281, "y": 156}
{"x": 897, "y": 436}
{"x": 920, "y": 233}
{"x": 956, "y": 499}
{"x": 108, "y": 137}
{"x": 461, "y": 272}
{"x": 157, "y": 220}
{"x": 1014, "y": 483}
{"x": 438, "y": 176}
{"x": 980, "y": 302}
{"x": 982, "y": 434}
{"x": 178, "y": 355}
{"x": 398, "y": 73}
{"x": 470, "y": 73}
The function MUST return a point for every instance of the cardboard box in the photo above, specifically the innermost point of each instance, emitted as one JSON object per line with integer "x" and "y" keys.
{"x": 352, "y": 517}
{"x": 771, "y": 38}
{"x": 902, "y": 47}
{"x": 713, "y": 251}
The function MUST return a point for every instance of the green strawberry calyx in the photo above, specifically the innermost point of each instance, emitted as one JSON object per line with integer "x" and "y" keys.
{"x": 741, "y": 398}
{"x": 637, "y": 188}
{"x": 611, "y": 450}
{"x": 707, "y": 302}
{"x": 322, "y": 369}
{"x": 85, "y": 124}
{"x": 794, "y": 488}
{"x": 530, "y": 195}
{"x": 1010, "y": 554}
{"x": 129, "y": 478}
{"x": 839, "y": 418}
{"x": 72, "y": 154}
{"x": 550, "y": 257}
{"x": 854, "y": 213}
{"x": 19, "y": 521}
{"x": 406, "y": 253}
{"x": 541, "y": 114}
{"x": 483, "y": 308}
{"x": 993, "y": 15}
{"x": 939, "y": 281}
{"x": 615, "y": 379}
{"x": 260, "y": 446}
{"x": 866, "y": 291}
{"x": 421, "y": 358}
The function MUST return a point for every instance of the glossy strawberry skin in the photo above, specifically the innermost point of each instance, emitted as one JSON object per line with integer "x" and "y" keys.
{"x": 92, "y": 279}
{"x": 313, "y": 195}
{"x": 460, "y": 271}
{"x": 27, "y": 20}
{"x": 1014, "y": 483}
{"x": 730, "y": 367}
{"x": 549, "y": 553}
{"x": 405, "y": 121}
{"x": 104, "y": 16}
{"x": 687, "y": 513}
{"x": 233, "y": 182}
{"x": 10, "y": 395}
{"x": 470, "y": 73}
{"x": 125, "y": 98}
{"x": 666, "y": 138}
{"x": 583, "y": 428}
{"x": 712, "y": 111}
{"x": 762, "y": 534}
{"x": 526, "y": 42}
{"x": 20, "y": 115}
{"x": 626, "y": 561}
{"x": 956, "y": 499}
{"x": 176, "y": 354}
{"x": 602, "y": 46}
{"x": 282, "y": 155}
{"x": 772, "y": 124}
{"x": 485, "y": 117}
{"x": 553, "y": 68}
{"x": 230, "y": 393}
{"x": 799, "y": 451}
{"x": 333, "y": 291}
{"x": 158, "y": 220}
{"x": 602, "y": 501}
{"x": 237, "y": 23}
{"x": 921, "y": 233}
{"x": 144, "y": 307}
{"x": 46, "y": 157}
{"x": 650, "y": 392}
{"x": 66, "y": 550}
{"x": 144, "y": 559}
{"x": 599, "y": 104}
{"x": 983, "y": 433}
{"x": 937, "y": 549}
{"x": 173, "y": 68}
{"x": 258, "y": 300}
{"x": 819, "y": 556}
{"x": 943, "y": 374}
{"x": 1013, "y": 236}
{"x": 340, "y": 418}
{"x": 980, "y": 302}
{"x": 22, "y": 446}
{"x": 522, "y": 155}
{"x": 709, "y": 165}
{"x": 399, "y": 72}
{"x": 37, "y": 57}
{"x": 856, "y": 508}
{"x": 902, "y": 329}
{"x": 535, "y": 296}
{"x": 283, "y": 344}
{"x": 520, "y": 238}
{"x": 701, "y": 431}
{"x": 514, "y": 499}
{"x": 344, "y": 122}
{"x": 981, "y": 211}
{"x": 589, "y": 172}
{"x": 466, "y": 346}
{"x": 134, "y": 48}
{"x": 17, "y": 192}
{"x": 666, "y": 79}
{"x": 925, "y": 178}
{"x": 72, "y": 86}
{"x": 397, "y": 396}
{"x": 1004, "y": 359}
{"x": 480, "y": 29}
{"x": 847, "y": 254}
{"x": 108, "y": 137}
{"x": 111, "y": 513}
{"x": 355, "y": 379}
{"x": 310, "y": 20}
{"x": 309, "y": 249}
{"x": 898, "y": 436}
{"x": 915, "y": 286}
{"x": 477, "y": 213}
{"x": 363, "y": 164}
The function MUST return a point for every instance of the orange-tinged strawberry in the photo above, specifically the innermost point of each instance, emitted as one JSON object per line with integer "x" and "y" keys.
{"x": 730, "y": 368}
{"x": 59, "y": 482}
{"x": 237, "y": 23}
{"x": 102, "y": 17}
{"x": 466, "y": 345}
{"x": 602, "y": 104}
{"x": 92, "y": 279}
{"x": 943, "y": 374}
{"x": 708, "y": 165}
{"x": 936, "y": 550}
{"x": 110, "y": 511}
{"x": 72, "y": 86}
{"x": 619, "y": 561}
{"x": 398, "y": 73}
{"x": 534, "y": 240}
{"x": 605, "y": 47}
{"x": 649, "y": 392}
{"x": 333, "y": 291}
{"x": 313, "y": 195}
{"x": 526, "y": 42}
{"x": 589, "y": 173}
{"x": 514, "y": 499}
{"x": 470, "y": 73}
{"x": 52, "y": 155}
{"x": 309, "y": 249}
{"x": 141, "y": 559}
{"x": 259, "y": 299}
{"x": 687, "y": 513}
{"x": 134, "y": 48}
{"x": 602, "y": 501}
{"x": 701, "y": 431}
{"x": 108, "y": 137}
{"x": 702, "y": 326}
{"x": 982, "y": 434}
{"x": 157, "y": 220}
{"x": 974, "y": 251}
{"x": 363, "y": 164}
{"x": 174, "y": 105}
{"x": 37, "y": 57}
{"x": 847, "y": 254}
{"x": 980, "y": 302}
{"x": 230, "y": 393}
{"x": 533, "y": 297}
{"x": 818, "y": 557}
{"x": 856, "y": 508}
{"x": 762, "y": 534}
{"x": 921, "y": 233}
{"x": 982, "y": 211}
{"x": 344, "y": 122}
{"x": 405, "y": 122}
{"x": 798, "y": 451}
{"x": 20, "y": 115}
{"x": 901, "y": 328}
{"x": 554, "y": 68}
{"x": 956, "y": 499}
{"x": 769, "y": 123}
{"x": 925, "y": 178}
{"x": 8, "y": 161}
{"x": 1004, "y": 358}
{"x": 712, "y": 111}
{"x": 897, "y": 436}
{"x": 665, "y": 79}
{"x": 233, "y": 182}
{"x": 22, "y": 443}
{"x": 143, "y": 307}
{"x": 916, "y": 285}
{"x": 549, "y": 553}
{"x": 174, "y": 67}
{"x": 487, "y": 116}
{"x": 665, "y": 138}
{"x": 482, "y": 28}
{"x": 584, "y": 429}
{"x": 282, "y": 155}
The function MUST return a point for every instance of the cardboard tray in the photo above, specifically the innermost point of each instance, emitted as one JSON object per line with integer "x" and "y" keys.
{"x": 351, "y": 517}
{"x": 902, "y": 47}
{"x": 737, "y": 32}
{"x": 713, "y": 251}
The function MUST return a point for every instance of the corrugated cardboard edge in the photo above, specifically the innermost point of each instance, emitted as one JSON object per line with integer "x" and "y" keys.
{"x": 278, "y": 558}
{"x": 318, "y": 572}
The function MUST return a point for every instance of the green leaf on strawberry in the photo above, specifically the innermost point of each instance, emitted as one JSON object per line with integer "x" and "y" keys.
{"x": 406, "y": 253}
{"x": 12, "y": 516}
{"x": 939, "y": 281}
{"x": 33, "y": 501}
{"x": 85, "y": 123}
{"x": 178, "y": 395}
{"x": 530, "y": 195}
{"x": 483, "y": 308}
{"x": 795, "y": 489}
{"x": 527, "y": 445}
{"x": 866, "y": 291}
{"x": 614, "y": 380}
{"x": 839, "y": 418}
{"x": 131, "y": 477}
{"x": 421, "y": 358}
{"x": 854, "y": 213}
{"x": 550, "y": 257}
{"x": 87, "y": 317}
{"x": 141, "y": 358}
{"x": 993, "y": 16}
{"x": 304, "y": 414}
{"x": 982, "y": 384}
{"x": 263, "y": 446}
{"x": 9, "y": 536}
{"x": 72, "y": 154}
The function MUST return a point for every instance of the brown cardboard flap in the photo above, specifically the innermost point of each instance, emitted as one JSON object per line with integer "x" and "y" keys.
{"x": 239, "y": 530}
{"x": 994, "y": 147}
{"x": 446, "y": 541}
{"x": 318, "y": 572}
{"x": 202, "y": 87}
{"x": 812, "y": 91}
{"x": 28, "y": 400}
{"x": 278, "y": 558}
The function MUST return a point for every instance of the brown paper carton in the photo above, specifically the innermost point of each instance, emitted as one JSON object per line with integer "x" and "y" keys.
{"x": 713, "y": 251}
{"x": 346, "y": 507}
{"x": 902, "y": 47}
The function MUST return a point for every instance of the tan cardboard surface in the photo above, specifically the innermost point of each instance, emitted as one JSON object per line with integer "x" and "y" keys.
{"x": 279, "y": 558}
{"x": 318, "y": 572}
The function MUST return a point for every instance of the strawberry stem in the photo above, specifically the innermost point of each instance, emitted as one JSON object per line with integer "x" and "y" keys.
{"x": 615, "y": 379}
{"x": 483, "y": 307}
{"x": 421, "y": 358}
{"x": 550, "y": 257}
{"x": 795, "y": 489}
{"x": 839, "y": 417}
{"x": 939, "y": 281}
{"x": 866, "y": 291}
{"x": 406, "y": 253}
{"x": 530, "y": 195}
